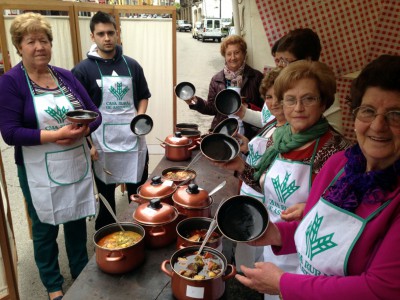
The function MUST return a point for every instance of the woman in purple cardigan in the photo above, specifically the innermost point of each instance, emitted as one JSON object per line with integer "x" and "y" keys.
{"x": 348, "y": 242}
{"x": 51, "y": 154}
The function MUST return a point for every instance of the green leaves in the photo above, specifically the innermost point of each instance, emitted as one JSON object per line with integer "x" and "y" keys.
{"x": 57, "y": 114}
{"x": 284, "y": 190}
{"x": 119, "y": 92}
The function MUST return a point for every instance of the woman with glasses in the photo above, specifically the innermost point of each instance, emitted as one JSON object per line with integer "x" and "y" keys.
{"x": 348, "y": 243}
{"x": 297, "y": 150}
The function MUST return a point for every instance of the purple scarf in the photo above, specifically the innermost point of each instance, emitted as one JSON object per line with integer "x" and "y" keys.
{"x": 358, "y": 186}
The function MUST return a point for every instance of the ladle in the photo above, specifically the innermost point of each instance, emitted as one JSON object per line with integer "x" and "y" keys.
{"x": 106, "y": 204}
{"x": 194, "y": 160}
{"x": 217, "y": 188}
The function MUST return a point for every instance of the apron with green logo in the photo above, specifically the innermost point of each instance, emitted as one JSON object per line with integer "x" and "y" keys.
{"x": 266, "y": 115}
{"x": 120, "y": 151}
{"x": 245, "y": 254}
{"x": 286, "y": 183}
{"x": 326, "y": 236}
{"x": 59, "y": 177}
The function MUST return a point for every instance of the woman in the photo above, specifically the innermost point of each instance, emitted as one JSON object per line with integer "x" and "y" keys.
{"x": 245, "y": 254}
{"x": 353, "y": 209}
{"x": 51, "y": 154}
{"x": 236, "y": 75}
{"x": 297, "y": 150}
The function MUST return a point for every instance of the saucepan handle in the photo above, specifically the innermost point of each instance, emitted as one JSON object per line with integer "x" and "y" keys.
{"x": 164, "y": 268}
{"x": 231, "y": 274}
{"x": 115, "y": 258}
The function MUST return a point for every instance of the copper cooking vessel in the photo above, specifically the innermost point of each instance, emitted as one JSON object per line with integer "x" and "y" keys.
{"x": 156, "y": 187}
{"x": 209, "y": 289}
{"x": 159, "y": 222}
{"x": 192, "y": 201}
{"x": 178, "y": 147}
{"x": 122, "y": 260}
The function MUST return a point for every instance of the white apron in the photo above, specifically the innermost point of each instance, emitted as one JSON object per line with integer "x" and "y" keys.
{"x": 326, "y": 236}
{"x": 245, "y": 254}
{"x": 286, "y": 183}
{"x": 266, "y": 115}
{"x": 59, "y": 177}
{"x": 120, "y": 151}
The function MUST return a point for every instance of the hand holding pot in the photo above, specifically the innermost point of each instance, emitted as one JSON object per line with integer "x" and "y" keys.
{"x": 264, "y": 278}
{"x": 244, "y": 145}
{"x": 271, "y": 236}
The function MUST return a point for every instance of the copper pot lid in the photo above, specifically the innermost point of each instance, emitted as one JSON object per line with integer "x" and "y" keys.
{"x": 177, "y": 140}
{"x": 157, "y": 188}
{"x": 155, "y": 213}
{"x": 191, "y": 196}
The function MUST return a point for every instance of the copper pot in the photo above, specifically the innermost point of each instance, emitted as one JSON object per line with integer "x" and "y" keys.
{"x": 193, "y": 135}
{"x": 159, "y": 222}
{"x": 155, "y": 188}
{"x": 123, "y": 260}
{"x": 184, "y": 288}
{"x": 192, "y": 201}
{"x": 188, "y": 226}
{"x": 178, "y": 147}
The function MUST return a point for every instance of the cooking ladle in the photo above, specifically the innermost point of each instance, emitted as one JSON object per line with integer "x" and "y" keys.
{"x": 92, "y": 145}
{"x": 106, "y": 204}
{"x": 217, "y": 188}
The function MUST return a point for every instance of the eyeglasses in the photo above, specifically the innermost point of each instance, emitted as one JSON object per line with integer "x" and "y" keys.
{"x": 368, "y": 114}
{"x": 283, "y": 62}
{"x": 305, "y": 101}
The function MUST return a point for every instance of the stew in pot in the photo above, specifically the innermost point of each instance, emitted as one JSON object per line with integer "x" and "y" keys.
{"x": 119, "y": 239}
{"x": 198, "y": 235}
{"x": 199, "y": 267}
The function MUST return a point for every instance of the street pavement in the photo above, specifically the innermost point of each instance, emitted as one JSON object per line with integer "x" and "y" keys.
{"x": 197, "y": 62}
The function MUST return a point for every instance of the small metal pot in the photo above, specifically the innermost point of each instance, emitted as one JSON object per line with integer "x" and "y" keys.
{"x": 190, "y": 172}
{"x": 178, "y": 147}
{"x": 123, "y": 260}
{"x": 155, "y": 188}
{"x": 182, "y": 126}
{"x": 186, "y": 226}
{"x": 184, "y": 288}
{"x": 159, "y": 220}
{"x": 192, "y": 201}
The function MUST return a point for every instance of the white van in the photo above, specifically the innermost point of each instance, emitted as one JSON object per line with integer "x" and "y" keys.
{"x": 210, "y": 29}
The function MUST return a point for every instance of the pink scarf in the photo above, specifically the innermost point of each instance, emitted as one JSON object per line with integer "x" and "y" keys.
{"x": 236, "y": 78}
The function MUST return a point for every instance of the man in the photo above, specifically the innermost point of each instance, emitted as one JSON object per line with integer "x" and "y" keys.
{"x": 117, "y": 85}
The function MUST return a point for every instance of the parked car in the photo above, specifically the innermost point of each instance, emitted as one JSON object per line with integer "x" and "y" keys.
{"x": 195, "y": 30}
{"x": 210, "y": 29}
{"x": 183, "y": 25}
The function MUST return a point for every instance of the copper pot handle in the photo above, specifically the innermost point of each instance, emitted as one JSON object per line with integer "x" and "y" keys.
{"x": 164, "y": 268}
{"x": 193, "y": 147}
{"x": 157, "y": 233}
{"x": 136, "y": 198}
{"x": 163, "y": 145}
{"x": 181, "y": 246}
{"x": 231, "y": 274}
{"x": 117, "y": 258}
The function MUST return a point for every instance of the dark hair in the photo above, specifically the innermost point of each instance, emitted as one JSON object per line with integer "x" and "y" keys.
{"x": 303, "y": 43}
{"x": 102, "y": 17}
{"x": 275, "y": 46}
{"x": 383, "y": 72}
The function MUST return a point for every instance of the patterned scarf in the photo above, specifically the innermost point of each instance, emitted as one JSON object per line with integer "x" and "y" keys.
{"x": 235, "y": 78}
{"x": 358, "y": 186}
{"x": 285, "y": 141}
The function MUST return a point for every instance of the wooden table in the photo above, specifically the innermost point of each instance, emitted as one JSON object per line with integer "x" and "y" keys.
{"x": 148, "y": 281}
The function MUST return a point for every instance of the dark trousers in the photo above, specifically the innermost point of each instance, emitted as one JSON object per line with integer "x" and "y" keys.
{"x": 45, "y": 245}
{"x": 108, "y": 191}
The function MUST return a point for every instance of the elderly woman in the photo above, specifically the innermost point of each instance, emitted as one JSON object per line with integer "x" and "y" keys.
{"x": 51, "y": 154}
{"x": 297, "y": 150}
{"x": 348, "y": 244}
{"x": 237, "y": 75}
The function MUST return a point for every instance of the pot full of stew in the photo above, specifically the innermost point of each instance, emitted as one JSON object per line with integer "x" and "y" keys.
{"x": 159, "y": 222}
{"x": 198, "y": 276}
{"x": 117, "y": 251}
{"x": 192, "y": 231}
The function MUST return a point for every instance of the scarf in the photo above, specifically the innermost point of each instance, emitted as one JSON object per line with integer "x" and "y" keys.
{"x": 235, "y": 78}
{"x": 358, "y": 186}
{"x": 285, "y": 141}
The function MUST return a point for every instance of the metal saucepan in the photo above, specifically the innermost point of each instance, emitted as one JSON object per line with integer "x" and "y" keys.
{"x": 81, "y": 116}
{"x": 185, "y": 90}
{"x": 219, "y": 147}
{"x": 228, "y": 102}
{"x": 228, "y": 126}
{"x": 141, "y": 124}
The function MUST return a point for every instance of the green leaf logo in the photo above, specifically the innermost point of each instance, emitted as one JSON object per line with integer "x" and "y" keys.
{"x": 57, "y": 114}
{"x": 266, "y": 114}
{"x": 314, "y": 244}
{"x": 119, "y": 92}
{"x": 284, "y": 190}
{"x": 253, "y": 157}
